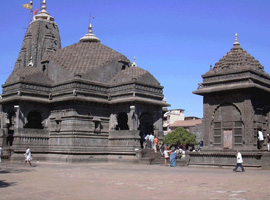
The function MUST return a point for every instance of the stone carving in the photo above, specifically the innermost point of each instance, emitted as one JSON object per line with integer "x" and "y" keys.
{"x": 113, "y": 122}
{"x": 133, "y": 119}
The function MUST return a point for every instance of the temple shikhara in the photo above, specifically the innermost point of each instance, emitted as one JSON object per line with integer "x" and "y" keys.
{"x": 80, "y": 103}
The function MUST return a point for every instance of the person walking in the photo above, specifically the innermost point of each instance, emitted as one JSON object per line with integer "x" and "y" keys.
{"x": 147, "y": 140}
{"x": 239, "y": 162}
{"x": 268, "y": 142}
{"x": 260, "y": 138}
{"x": 166, "y": 155}
{"x": 151, "y": 140}
{"x": 161, "y": 149}
{"x": 28, "y": 156}
{"x": 155, "y": 144}
{"x": 173, "y": 158}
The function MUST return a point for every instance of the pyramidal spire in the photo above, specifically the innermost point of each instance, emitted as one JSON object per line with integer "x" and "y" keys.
{"x": 89, "y": 37}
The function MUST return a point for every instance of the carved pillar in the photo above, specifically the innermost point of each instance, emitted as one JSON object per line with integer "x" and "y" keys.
{"x": 17, "y": 120}
{"x": 248, "y": 123}
{"x": 113, "y": 122}
{"x": 133, "y": 120}
{"x": 207, "y": 118}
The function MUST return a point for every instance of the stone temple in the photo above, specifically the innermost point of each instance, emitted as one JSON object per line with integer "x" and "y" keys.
{"x": 85, "y": 102}
{"x": 236, "y": 104}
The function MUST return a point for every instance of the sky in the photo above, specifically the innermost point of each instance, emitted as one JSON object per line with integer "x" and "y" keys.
{"x": 175, "y": 40}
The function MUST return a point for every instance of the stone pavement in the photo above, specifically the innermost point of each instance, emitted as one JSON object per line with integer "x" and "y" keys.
{"x": 116, "y": 181}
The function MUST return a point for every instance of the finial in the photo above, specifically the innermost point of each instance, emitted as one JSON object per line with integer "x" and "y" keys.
{"x": 44, "y": 5}
{"x": 89, "y": 37}
{"x": 211, "y": 68}
{"x": 134, "y": 63}
{"x": 43, "y": 14}
{"x": 236, "y": 40}
{"x": 90, "y": 28}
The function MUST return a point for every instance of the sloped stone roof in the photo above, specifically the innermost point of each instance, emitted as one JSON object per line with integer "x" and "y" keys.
{"x": 134, "y": 74}
{"x": 236, "y": 60}
{"x": 86, "y": 58}
{"x": 82, "y": 56}
{"x": 28, "y": 73}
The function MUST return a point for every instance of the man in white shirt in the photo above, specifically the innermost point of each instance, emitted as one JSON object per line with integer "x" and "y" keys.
{"x": 239, "y": 162}
{"x": 260, "y": 138}
{"x": 151, "y": 140}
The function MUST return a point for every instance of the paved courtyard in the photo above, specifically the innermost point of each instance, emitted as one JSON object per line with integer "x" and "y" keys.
{"x": 116, "y": 181}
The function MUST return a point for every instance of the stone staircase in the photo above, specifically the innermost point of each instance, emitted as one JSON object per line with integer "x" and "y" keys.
{"x": 6, "y": 153}
{"x": 148, "y": 156}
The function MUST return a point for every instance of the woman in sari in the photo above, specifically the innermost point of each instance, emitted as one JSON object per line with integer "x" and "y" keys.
{"x": 173, "y": 157}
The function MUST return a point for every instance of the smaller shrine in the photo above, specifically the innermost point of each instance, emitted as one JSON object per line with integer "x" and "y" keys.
{"x": 236, "y": 104}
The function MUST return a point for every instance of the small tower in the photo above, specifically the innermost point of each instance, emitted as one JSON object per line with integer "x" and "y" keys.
{"x": 41, "y": 37}
{"x": 236, "y": 102}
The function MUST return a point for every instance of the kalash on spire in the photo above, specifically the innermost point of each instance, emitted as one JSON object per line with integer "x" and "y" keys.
{"x": 41, "y": 38}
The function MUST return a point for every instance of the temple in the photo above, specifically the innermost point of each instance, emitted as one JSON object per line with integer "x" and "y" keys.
{"x": 236, "y": 105}
{"x": 85, "y": 102}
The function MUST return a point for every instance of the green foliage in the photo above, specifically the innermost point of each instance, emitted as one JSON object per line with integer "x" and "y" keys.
{"x": 180, "y": 136}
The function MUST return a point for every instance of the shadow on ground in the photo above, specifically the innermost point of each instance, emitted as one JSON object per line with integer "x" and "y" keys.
{"x": 7, "y": 171}
{"x": 4, "y": 184}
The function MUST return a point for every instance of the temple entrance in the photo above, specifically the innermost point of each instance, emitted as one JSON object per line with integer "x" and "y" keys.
{"x": 34, "y": 120}
{"x": 227, "y": 139}
{"x": 227, "y": 127}
{"x": 122, "y": 120}
{"x": 146, "y": 126}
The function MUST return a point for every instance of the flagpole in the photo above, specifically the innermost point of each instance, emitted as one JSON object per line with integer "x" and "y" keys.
{"x": 31, "y": 11}
{"x": 41, "y": 3}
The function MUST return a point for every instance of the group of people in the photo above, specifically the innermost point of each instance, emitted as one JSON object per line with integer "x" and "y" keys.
{"x": 261, "y": 140}
{"x": 171, "y": 154}
{"x": 151, "y": 142}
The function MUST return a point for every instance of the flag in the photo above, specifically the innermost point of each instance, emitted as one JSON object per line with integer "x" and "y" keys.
{"x": 27, "y": 6}
{"x": 35, "y": 12}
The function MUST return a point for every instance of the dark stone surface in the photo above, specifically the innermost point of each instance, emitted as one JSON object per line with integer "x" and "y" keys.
{"x": 65, "y": 104}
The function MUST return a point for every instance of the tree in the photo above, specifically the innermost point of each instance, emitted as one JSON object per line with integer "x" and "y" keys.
{"x": 180, "y": 136}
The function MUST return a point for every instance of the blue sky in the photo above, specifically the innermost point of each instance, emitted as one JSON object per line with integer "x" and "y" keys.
{"x": 175, "y": 40}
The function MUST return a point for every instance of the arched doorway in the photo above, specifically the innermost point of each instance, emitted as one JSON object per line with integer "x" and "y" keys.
{"x": 227, "y": 126}
{"x": 146, "y": 126}
{"x": 122, "y": 121}
{"x": 34, "y": 120}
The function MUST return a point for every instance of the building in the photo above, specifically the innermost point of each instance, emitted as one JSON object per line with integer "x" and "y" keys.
{"x": 191, "y": 124}
{"x": 236, "y": 104}
{"x": 85, "y": 102}
{"x": 170, "y": 116}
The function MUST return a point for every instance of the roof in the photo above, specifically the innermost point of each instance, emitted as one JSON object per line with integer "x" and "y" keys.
{"x": 235, "y": 60}
{"x": 90, "y": 59}
{"x": 237, "y": 70}
{"x": 186, "y": 123}
{"x": 134, "y": 74}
